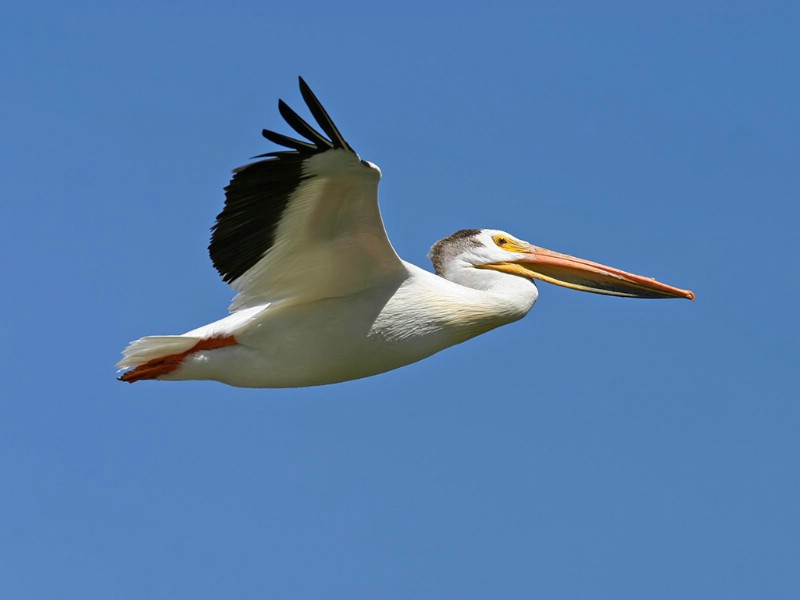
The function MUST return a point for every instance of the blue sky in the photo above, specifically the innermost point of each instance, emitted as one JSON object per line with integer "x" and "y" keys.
{"x": 600, "y": 448}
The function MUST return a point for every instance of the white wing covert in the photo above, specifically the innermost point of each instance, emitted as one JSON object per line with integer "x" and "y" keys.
{"x": 303, "y": 224}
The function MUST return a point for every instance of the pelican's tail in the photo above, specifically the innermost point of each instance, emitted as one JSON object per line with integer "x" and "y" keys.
{"x": 156, "y": 355}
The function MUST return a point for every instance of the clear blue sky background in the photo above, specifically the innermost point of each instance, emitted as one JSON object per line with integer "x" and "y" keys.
{"x": 600, "y": 448}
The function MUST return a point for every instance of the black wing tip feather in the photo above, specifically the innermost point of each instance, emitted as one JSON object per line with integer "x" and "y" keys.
{"x": 317, "y": 142}
{"x": 322, "y": 117}
{"x": 285, "y": 140}
{"x": 301, "y": 127}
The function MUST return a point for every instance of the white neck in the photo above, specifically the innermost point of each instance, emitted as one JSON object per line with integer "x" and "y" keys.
{"x": 479, "y": 298}
{"x": 512, "y": 295}
{"x": 432, "y": 313}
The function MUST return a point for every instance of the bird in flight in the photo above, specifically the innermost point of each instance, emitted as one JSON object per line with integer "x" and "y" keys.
{"x": 322, "y": 295}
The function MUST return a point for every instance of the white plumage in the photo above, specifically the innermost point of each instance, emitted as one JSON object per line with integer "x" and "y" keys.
{"x": 322, "y": 295}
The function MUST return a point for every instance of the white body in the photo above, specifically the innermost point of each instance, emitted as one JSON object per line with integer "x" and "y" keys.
{"x": 338, "y": 339}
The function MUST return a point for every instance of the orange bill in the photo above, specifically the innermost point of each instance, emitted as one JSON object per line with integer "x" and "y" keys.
{"x": 586, "y": 276}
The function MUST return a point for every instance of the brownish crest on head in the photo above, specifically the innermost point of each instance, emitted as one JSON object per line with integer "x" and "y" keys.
{"x": 450, "y": 246}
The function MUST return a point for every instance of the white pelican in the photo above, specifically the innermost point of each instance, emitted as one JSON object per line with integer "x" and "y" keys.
{"x": 322, "y": 295}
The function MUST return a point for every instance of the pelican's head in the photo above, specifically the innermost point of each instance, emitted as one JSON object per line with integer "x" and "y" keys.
{"x": 463, "y": 256}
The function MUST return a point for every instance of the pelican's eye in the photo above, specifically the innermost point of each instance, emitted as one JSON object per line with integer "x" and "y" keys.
{"x": 500, "y": 240}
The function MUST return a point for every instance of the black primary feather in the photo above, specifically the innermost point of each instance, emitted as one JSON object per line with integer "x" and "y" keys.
{"x": 285, "y": 140}
{"x": 297, "y": 123}
{"x": 322, "y": 117}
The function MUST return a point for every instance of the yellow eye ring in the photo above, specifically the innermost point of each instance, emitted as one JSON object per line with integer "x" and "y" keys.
{"x": 500, "y": 240}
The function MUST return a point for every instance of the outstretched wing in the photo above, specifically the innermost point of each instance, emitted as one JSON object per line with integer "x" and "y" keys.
{"x": 304, "y": 223}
